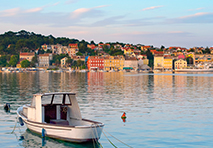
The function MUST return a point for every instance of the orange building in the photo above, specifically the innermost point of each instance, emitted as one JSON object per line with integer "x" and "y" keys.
{"x": 95, "y": 63}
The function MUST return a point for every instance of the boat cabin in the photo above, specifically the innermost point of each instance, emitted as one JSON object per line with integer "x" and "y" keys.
{"x": 54, "y": 108}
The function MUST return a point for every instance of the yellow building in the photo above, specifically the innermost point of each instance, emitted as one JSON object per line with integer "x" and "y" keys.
{"x": 111, "y": 62}
{"x": 167, "y": 63}
{"x": 121, "y": 62}
{"x": 158, "y": 62}
{"x": 128, "y": 51}
{"x": 180, "y": 64}
{"x": 63, "y": 62}
{"x": 145, "y": 48}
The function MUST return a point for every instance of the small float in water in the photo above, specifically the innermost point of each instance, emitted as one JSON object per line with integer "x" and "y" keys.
{"x": 59, "y": 115}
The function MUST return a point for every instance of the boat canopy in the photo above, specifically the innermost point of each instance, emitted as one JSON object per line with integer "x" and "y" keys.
{"x": 56, "y": 98}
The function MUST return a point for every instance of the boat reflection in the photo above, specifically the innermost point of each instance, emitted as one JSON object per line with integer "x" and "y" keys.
{"x": 31, "y": 139}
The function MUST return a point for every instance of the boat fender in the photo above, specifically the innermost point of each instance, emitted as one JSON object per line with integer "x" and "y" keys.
{"x": 43, "y": 132}
{"x": 7, "y": 107}
{"x": 21, "y": 122}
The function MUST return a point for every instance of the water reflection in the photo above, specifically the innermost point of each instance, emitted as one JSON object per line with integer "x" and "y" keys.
{"x": 30, "y": 139}
{"x": 164, "y": 110}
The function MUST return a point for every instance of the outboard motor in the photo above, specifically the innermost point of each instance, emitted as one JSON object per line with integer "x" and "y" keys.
{"x": 7, "y": 107}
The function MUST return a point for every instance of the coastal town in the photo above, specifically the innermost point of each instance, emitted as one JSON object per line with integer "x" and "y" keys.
{"x": 104, "y": 57}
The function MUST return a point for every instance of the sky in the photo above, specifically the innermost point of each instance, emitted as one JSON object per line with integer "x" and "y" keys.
{"x": 184, "y": 23}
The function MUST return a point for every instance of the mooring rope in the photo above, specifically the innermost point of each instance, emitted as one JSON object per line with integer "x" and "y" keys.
{"x": 15, "y": 125}
{"x": 94, "y": 139}
{"x": 109, "y": 140}
{"x": 97, "y": 136}
{"x": 118, "y": 139}
{"x": 115, "y": 138}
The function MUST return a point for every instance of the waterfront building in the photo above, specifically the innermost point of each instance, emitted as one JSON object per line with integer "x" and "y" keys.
{"x": 44, "y": 59}
{"x": 180, "y": 64}
{"x": 111, "y": 62}
{"x": 158, "y": 61}
{"x": 95, "y": 63}
{"x": 26, "y": 55}
{"x": 142, "y": 60}
{"x": 131, "y": 62}
{"x": 121, "y": 61}
{"x": 167, "y": 62}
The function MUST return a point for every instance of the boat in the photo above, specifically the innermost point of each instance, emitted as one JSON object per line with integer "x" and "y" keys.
{"x": 58, "y": 114}
{"x": 92, "y": 70}
{"x": 112, "y": 70}
{"x": 57, "y": 71}
{"x": 83, "y": 70}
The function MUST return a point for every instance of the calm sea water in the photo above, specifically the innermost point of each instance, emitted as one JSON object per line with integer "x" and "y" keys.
{"x": 163, "y": 110}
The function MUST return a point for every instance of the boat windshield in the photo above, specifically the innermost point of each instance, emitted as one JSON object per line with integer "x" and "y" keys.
{"x": 63, "y": 99}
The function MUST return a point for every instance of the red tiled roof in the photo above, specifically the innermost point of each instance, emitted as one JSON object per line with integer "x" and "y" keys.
{"x": 45, "y": 54}
{"x": 27, "y": 54}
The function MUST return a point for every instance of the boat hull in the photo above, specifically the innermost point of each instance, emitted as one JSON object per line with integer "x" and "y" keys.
{"x": 78, "y": 134}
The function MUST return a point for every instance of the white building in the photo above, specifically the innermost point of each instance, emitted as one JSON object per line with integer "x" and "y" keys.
{"x": 44, "y": 59}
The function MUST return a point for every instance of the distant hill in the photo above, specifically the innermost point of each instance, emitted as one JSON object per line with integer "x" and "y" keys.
{"x": 15, "y": 42}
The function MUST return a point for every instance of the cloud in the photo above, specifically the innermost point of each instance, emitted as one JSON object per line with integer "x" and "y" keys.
{"x": 34, "y": 10}
{"x": 87, "y": 12}
{"x": 121, "y": 20}
{"x": 196, "y": 9}
{"x": 53, "y": 19}
{"x": 57, "y": 3}
{"x": 195, "y": 15}
{"x": 71, "y": 1}
{"x": 175, "y": 32}
{"x": 150, "y": 8}
{"x": 201, "y": 17}
{"x": 9, "y": 12}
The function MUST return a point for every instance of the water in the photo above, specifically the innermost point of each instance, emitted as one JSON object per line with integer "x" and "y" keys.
{"x": 163, "y": 110}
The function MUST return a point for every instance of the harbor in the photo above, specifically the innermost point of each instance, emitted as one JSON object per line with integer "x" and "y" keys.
{"x": 162, "y": 109}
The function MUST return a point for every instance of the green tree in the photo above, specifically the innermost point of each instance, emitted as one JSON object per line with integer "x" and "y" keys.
{"x": 69, "y": 61}
{"x": 207, "y": 50}
{"x": 79, "y": 54}
{"x": 3, "y": 61}
{"x": 13, "y": 60}
{"x": 162, "y": 47}
{"x": 151, "y": 58}
{"x": 25, "y": 63}
{"x": 79, "y": 63}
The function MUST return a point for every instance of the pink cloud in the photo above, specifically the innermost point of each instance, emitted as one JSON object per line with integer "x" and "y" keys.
{"x": 150, "y": 8}
{"x": 9, "y": 12}
{"x": 78, "y": 12}
{"x": 34, "y": 10}
{"x": 195, "y": 15}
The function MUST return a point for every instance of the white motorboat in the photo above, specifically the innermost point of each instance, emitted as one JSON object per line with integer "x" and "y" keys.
{"x": 58, "y": 114}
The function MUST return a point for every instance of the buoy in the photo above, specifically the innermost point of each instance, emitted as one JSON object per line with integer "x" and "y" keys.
{"x": 7, "y": 107}
{"x": 20, "y": 121}
{"x": 123, "y": 116}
